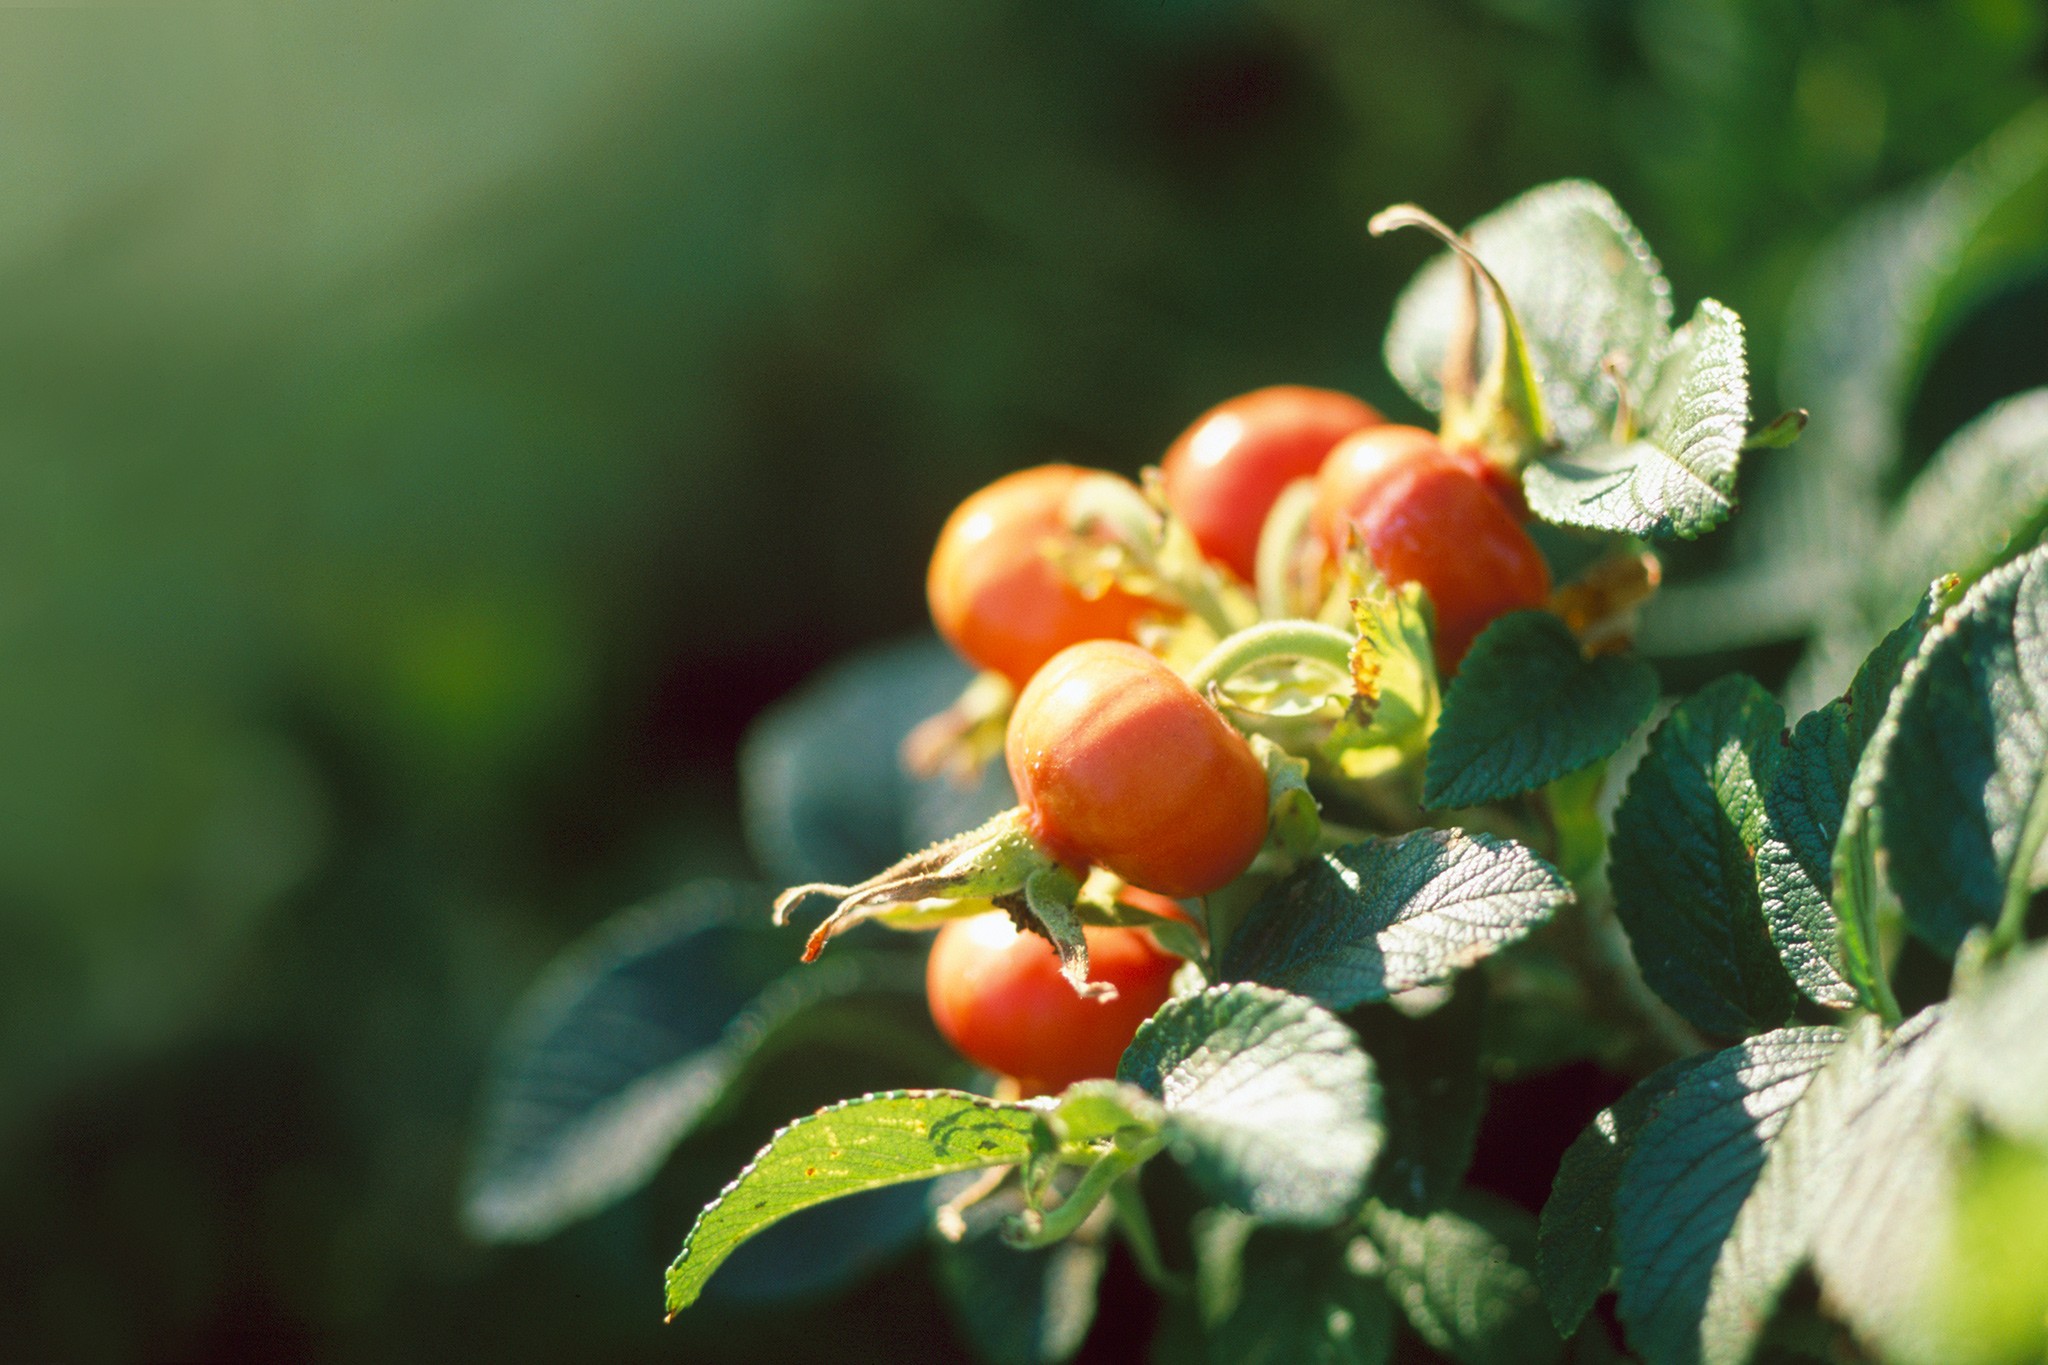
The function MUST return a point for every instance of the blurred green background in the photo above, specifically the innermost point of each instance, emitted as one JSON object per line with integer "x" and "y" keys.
{"x": 429, "y": 433}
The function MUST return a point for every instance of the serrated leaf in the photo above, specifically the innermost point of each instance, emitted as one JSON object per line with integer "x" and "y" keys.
{"x": 2001, "y": 1063}
{"x": 1693, "y": 1163}
{"x": 625, "y": 1044}
{"x": 1271, "y": 1296}
{"x": 1270, "y": 1104}
{"x": 1583, "y": 284}
{"x": 1835, "y": 962}
{"x": 823, "y": 793}
{"x": 1464, "y": 1276}
{"x": 1528, "y": 707}
{"x": 1575, "y": 1238}
{"x": 1982, "y": 496}
{"x": 1431, "y": 1091}
{"x": 1388, "y": 915}
{"x": 1683, "y": 865}
{"x": 861, "y": 1144}
{"x": 1964, "y": 791}
{"x": 1019, "y": 1307}
{"x": 1678, "y": 478}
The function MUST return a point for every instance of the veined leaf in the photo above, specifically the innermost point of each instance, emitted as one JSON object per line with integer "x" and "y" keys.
{"x": 1982, "y": 496}
{"x": 861, "y": 1144}
{"x": 1964, "y": 791}
{"x": 1575, "y": 1244}
{"x": 1270, "y": 1103}
{"x": 1583, "y": 284}
{"x": 627, "y": 1042}
{"x": 1465, "y": 1277}
{"x": 1685, "y": 841}
{"x": 1833, "y": 962}
{"x": 1528, "y": 707}
{"x": 1678, "y": 478}
{"x": 1692, "y": 1166}
{"x": 1387, "y": 915}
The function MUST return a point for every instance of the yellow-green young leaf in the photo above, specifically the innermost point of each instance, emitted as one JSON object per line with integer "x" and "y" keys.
{"x": 1678, "y": 478}
{"x": 1528, "y": 707}
{"x": 1964, "y": 791}
{"x": 1270, "y": 1104}
{"x": 1575, "y": 1242}
{"x": 1383, "y": 916}
{"x": 1583, "y": 284}
{"x": 627, "y": 1042}
{"x": 861, "y": 1144}
{"x": 1692, "y": 1165}
{"x": 1683, "y": 870}
{"x": 1465, "y": 1278}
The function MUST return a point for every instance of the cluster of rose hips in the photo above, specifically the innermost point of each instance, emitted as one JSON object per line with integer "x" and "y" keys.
{"x": 1051, "y": 580}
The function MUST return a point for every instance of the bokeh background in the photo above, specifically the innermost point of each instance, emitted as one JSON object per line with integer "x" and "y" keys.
{"x": 429, "y": 433}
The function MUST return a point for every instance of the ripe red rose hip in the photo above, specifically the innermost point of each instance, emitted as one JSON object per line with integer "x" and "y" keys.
{"x": 997, "y": 995}
{"x": 1120, "y": 764}
{"x": 998, "y": 598}
{"x": 1224, "y": 473}
{"x": 1435, "y": 517}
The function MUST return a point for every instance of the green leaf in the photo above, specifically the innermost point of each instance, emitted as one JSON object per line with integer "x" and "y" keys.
{"x": 1982, "y": 497}
{"x": 1427, "y": 1063}
{"x": 1384, "y": 916}
{"x": 1678, "y": 479}
{"x": 1019, "y": 1307}
{"x": 1964, "y": 791}
{"x": 1272, "y": 1296}
{"x": 1464, "y": 1276}
{"x": 2001, "y": 1065}
{"x": 822, "y": 791}
{"x": 1835, "y": 962}
{"x": 1772, "y": 1235}
{"x": 624, "y": 1045}
{"x": 1575, "y": 1241}
{"x": 1692, "y": 1165}
{"x": 1270, "y": 1104}
{"x": 1683, "y": 868}
{"x": 861, "y": 1144}
{"x": 1528, "y": 707}
{"x": 1583, "y": 284}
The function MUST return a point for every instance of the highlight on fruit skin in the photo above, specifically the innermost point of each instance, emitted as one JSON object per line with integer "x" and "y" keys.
{"x": 1223, "y": 474}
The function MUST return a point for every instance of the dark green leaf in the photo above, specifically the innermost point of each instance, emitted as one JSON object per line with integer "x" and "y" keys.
{"x": 1387, "y": 915}
{"x": 1019, "y": 1307}
{"x": 862, "y": 1144}
{"x": 1834, "y": 962}
{"x": 1964, "y": 791}
{"x": 1270, "y": 1104}
{"x": 1683, "y": 869}
{"x": 1431, "y": 1090}
{"x": 1983, "y": 496}
{"x": 823, "y": 793}
{"x": 1583, "y": 284}
{"x": 1528, "y": 707}
{"x": 625, "y": 1044}
{"x": 2001, "y": 1059}
{"x": 1465, "y": 1277}
{"x": 1692, "y": 1165}
{"x": 1271, "y": 1296}
{"x": 1575, "y": 1244}
{"x": 1678, "y": 478}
